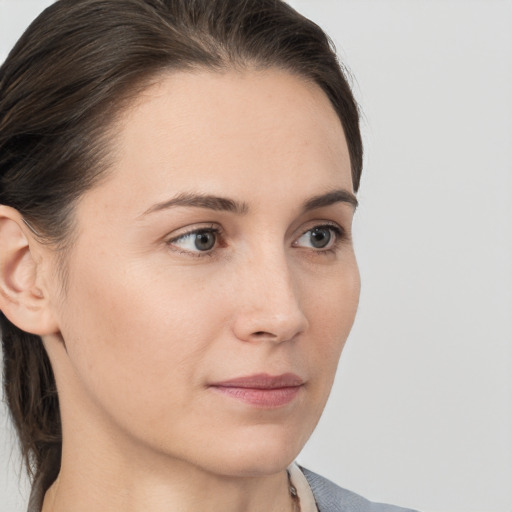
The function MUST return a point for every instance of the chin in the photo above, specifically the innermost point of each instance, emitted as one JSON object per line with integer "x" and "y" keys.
{"x": 256, "y": 453}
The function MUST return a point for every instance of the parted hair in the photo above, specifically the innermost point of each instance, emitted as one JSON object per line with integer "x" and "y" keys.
{"x": 62, "y": 88}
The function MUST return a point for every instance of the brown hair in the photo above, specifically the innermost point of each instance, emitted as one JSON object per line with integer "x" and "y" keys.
{"x": 61, "y": 88}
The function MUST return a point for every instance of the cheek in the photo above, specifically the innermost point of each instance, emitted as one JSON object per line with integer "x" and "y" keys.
{"x": 131, "y": 333}
{"x": 332, "y": 308}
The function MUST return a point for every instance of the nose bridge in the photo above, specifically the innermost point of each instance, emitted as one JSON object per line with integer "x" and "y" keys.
{"x": 269, "y": 300}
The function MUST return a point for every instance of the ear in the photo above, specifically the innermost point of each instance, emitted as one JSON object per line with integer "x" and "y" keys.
{"x": 22, "y": 299}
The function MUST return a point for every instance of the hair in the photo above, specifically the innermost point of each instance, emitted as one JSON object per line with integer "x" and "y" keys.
{"x": 62, "y": 87}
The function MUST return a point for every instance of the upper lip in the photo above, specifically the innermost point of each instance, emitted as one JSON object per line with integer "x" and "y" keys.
{"x": 262, "y": 381}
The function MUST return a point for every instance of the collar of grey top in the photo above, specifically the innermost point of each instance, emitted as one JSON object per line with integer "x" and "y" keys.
{"x": 331, "y": 498}
{"x": 328, "y": 496}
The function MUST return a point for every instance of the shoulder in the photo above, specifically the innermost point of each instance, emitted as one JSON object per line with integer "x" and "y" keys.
{"x": 331, "y": 498}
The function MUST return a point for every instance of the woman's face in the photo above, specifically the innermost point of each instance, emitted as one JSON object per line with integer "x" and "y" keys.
{"x": 212, "y": 283}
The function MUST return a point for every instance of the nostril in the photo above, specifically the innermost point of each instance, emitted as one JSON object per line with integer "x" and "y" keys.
{"x": 262, "y": 333}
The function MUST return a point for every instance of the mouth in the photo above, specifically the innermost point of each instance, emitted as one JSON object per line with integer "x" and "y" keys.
{"x": 262, "y": 390}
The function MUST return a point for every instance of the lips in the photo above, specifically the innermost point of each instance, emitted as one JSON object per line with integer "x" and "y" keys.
{"x": 261, "y": 390}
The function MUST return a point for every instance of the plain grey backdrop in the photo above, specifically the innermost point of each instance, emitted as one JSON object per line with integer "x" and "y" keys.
{"x": 421, "y": 411}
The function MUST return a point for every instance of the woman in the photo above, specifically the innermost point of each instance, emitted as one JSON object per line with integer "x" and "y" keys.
{"x": 177, "y": 274}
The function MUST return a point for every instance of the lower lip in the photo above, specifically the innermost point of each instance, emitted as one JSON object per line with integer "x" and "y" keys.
{"x": 269, "y": 398}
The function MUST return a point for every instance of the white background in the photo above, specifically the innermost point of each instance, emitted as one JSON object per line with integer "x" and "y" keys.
{"x": 421, "y": 412}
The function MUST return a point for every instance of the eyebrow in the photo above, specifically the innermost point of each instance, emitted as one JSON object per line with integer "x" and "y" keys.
{"x": 201, "y": 201}
{"x": 330, "y": 198}
{"x": 217, "y": 203}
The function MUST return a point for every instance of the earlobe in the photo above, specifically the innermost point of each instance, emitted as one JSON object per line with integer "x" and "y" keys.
{"x": 22, "y": 300}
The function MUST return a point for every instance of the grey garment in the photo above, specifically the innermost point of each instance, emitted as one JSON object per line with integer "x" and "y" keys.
{"x": 331, "y": 498}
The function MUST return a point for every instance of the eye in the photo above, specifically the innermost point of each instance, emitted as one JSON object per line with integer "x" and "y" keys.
{"x": 320, "y": 237}
{"x": 200, "y": 240}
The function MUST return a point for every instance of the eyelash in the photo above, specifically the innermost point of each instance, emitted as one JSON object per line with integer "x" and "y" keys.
{"x": 340, "y": 235}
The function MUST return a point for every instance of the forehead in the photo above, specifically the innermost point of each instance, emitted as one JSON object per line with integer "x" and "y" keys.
{"x": 229, "y": 133}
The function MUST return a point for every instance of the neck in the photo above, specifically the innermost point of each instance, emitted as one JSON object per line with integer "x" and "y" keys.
{"x": 87, "y": 489}
{"x": 112, "y": 478}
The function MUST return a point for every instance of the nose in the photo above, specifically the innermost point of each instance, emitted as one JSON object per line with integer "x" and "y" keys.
{"x": 268, "y": 301}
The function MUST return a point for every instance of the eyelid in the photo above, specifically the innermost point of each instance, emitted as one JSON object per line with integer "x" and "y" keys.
{"x": 323, "y": 224}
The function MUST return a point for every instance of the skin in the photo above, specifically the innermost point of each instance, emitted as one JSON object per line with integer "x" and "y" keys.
{"x": 147, "y": 322}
